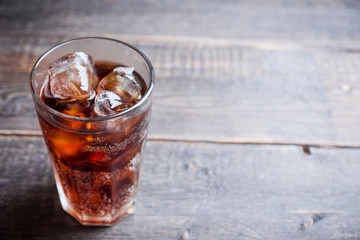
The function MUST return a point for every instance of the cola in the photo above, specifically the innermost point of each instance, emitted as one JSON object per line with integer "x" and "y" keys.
{"x": 95, "y": 149}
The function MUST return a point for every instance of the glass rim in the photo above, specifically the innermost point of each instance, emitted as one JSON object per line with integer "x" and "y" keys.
{"x": 93, "y": 119}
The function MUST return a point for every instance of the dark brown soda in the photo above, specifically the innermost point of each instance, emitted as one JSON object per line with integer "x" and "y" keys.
{"x": 98, "y": 170}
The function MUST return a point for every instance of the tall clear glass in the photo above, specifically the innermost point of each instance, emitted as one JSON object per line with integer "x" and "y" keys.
{"x": 96, "y": 161}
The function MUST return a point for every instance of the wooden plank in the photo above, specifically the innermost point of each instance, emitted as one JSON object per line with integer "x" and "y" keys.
{"x": 219, "y": 91}
{"x": 314, "y": 20}
{"x": 196, "y": 191}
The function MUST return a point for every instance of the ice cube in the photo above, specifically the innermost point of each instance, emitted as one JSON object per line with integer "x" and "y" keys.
{"x": 123, "y": 82}
{"x": 79, "y": 108}
{"x": 72, "y": 76}
{"x": 106, "y": 103}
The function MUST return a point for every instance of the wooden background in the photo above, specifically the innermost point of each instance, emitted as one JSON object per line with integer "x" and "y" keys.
{"x": 255, "y": 131}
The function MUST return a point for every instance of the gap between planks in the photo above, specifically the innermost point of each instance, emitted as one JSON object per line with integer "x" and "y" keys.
{"x": 28, "y": 133}
{"x": 349, "y": 46}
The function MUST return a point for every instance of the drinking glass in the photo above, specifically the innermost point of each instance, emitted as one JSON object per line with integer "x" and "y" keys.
{"x": 96, "y": 160}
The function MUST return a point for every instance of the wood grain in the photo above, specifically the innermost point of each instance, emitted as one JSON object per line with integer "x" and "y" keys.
{"x": 298, "y": 20}
{"x": 255, "y": 128}
{"x": 219, "y": 91}
{"x": 196, "y": 191}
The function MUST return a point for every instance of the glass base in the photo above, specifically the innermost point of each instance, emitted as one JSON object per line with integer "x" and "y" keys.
{"x": 95, "y": 220}
{"x": 106, "y": 220}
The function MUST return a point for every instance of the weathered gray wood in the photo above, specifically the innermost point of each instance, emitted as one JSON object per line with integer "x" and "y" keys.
{"x": 196, "y": 191}
{"x": 220, "y": 91}
{"x": 315, "y": 20}
{"x": 282, "y": 71}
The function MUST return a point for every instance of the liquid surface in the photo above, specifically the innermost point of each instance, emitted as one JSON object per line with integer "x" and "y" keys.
{"x": 83, "y": 107}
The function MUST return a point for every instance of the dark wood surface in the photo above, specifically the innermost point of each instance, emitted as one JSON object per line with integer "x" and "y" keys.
{"x": 200, "y": 190}
{"x": 255, "y": 131}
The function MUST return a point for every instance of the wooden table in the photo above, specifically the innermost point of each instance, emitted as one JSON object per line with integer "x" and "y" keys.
{"x": 255, "y": 131}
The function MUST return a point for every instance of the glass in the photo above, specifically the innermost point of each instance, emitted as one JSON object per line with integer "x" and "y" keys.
{"x": 96, "y": 161}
